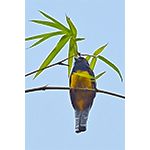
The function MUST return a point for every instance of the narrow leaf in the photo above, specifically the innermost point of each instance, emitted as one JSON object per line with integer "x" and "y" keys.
{"x": 72, "y": 27}
{"x": 99, "y": 50}
{"x": 79, "y": 39}
{"x": 36, "y": 37}
{"x": 75, "y": 46}
{"x": 38, "y": 42}
{"x": 111, "y": 65}
{"x": 88, "y": 58}
{"x": 71, "y": 53}
{"x": 56, "y": 22}
{"x": 99, "y": 75}
{"x": 47, "y": 23}
{"x": 93, "y": 62}
{"x": 52, "y": 55}
{"x": 45, "y": 37}
{"x": 84, "y": 75}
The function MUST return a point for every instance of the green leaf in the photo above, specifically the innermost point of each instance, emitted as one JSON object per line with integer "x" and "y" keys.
{"x": 36, "y": 37}
{"x": 38, "y": 42}
{"x": 71, "y": 53}
{"x": 99, "y": 50}
{"x": 84, "y": 75}
{"x": 45, "y": 37}
{"x": 89, "y": 76}
{"x": 61, "y": 26}
{"x": 93, "y": 62}
{"x": 111, "y": 65}
{"x": 79, "y": 39}
{"x": 72, "y": 27}
{"x": 99, "y": 75}
{"x": 50, "y": 24}
{"x": 75, "y": 46}
{"x": 52, "y": 55}
{"x": 88, "y": 58}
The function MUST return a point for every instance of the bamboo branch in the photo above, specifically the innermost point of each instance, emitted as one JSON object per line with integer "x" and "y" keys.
{"x": 88, "y": 55}
{"x": 68, "y": 88}
{"x": 58, "y": 63}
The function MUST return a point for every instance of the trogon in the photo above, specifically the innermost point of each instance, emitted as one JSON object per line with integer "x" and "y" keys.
{"x": 81, "y": 100}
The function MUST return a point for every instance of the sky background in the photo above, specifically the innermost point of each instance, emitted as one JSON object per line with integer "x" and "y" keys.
{"x": 49, "y": 116}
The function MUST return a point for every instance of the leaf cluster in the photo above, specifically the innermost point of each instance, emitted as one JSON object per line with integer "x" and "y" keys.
{"x": 68, "y": 34}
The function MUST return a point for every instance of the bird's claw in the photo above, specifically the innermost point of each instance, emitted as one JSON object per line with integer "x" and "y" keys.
{"x": 86, "y": 89}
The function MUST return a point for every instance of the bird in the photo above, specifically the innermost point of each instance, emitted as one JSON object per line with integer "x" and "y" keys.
{"x": 81, "y": 100}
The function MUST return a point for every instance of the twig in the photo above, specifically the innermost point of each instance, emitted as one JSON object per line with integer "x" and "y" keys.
{"x": 58, "y": 63}
{"x": 110, "y": 93}
{"x": 88, "y": 55}
{"x": 68, "y": 88}
{"x": 63, "y": 64}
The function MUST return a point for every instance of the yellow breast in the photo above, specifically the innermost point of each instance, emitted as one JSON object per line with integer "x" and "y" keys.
{"x": 80, "y": 82}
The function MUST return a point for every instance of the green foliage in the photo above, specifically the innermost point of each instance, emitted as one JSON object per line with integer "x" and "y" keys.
{"x": 89, "y": 76}
{"x": 94, "y": 59}
{"x": 84, "y": 75}
{"x": 79, "y": 39}
{"x": 61, "y": 26}
{"x": 68, "y": 34}
{"x": 111, "y": 65}
{"x": 72, "y": 27}
{"x": 71, "y": 53}
{"x": 55, "y": 51}
{"x": 93, "y": 62}
{"x": 43, "y": 37}
{"x": 99, "y": 75}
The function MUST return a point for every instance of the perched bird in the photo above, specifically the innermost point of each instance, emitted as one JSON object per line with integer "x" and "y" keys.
{"x": 81, "y": 100}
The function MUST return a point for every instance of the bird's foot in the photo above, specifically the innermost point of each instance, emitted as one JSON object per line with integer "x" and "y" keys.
{"x": 86, "y": 89}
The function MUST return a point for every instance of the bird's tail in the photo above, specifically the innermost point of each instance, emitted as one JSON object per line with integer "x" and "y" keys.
{"x": 81, "y": 120}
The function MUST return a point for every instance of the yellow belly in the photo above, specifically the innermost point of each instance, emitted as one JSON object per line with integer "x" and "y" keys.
{"x": 81, "y": 82}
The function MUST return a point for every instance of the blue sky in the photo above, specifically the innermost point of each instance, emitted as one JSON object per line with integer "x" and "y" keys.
{"x": 49, "y": 117}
